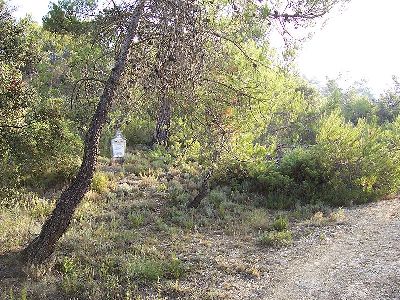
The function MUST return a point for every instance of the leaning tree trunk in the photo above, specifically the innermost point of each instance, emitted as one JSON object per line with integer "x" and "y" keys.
{"x": 42, "y": 247}
{"x": 161, "y": 135}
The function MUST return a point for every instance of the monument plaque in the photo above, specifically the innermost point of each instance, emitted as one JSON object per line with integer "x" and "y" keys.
{"x": 118, "y": 146}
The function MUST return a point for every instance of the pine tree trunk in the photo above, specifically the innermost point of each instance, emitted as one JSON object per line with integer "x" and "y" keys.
{"x": 161, "y": 135}
{"x": 43, "y": 246}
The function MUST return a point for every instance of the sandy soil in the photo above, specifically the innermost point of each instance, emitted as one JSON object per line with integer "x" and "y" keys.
{"x": 357, "y": 259}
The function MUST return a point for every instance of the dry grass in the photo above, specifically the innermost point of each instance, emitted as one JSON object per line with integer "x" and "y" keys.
{"x": 136, "y": 240}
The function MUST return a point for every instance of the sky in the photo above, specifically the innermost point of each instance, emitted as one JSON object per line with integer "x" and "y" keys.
{"x": 360, "y": 43}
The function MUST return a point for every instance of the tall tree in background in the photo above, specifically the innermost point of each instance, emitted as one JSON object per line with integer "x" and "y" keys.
{"x": 242, "y": 21}
{"x": 69, "y": 16}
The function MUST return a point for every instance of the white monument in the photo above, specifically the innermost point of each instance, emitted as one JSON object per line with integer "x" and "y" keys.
{"x": 118, "y": 146}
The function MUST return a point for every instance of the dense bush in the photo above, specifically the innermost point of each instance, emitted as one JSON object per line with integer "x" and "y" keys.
{"x": 139, "y": 131}
{"x": 359, "y": 161}
{"x": 38, "y": 144}
{"x": 348, "y": 164}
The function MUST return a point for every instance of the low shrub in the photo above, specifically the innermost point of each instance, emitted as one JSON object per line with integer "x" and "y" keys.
{"x": 217, "y": 196}
{"x": 100, "y": 182}
{"x": 41, "y": 208}
{"x": 276, "y": 238}
{"x": 137, "y": 163}
{"x": 281, "y": 223}
{"x": 136, "y": 219}
{"x": 257, "y": 219}
{"x": 153, "y": 269}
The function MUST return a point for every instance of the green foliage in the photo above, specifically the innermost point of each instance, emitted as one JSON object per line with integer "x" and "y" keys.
{"x": 139, "y": 131}
{"x": 137, "y": 163}
{"x": 217, "y": 196}
{"x": 360, "y": 163}
{"x": 303, "y": 172}
{"x": 276, "y": 238}
{"x": 347, "y": 164}
{"x": 174, "y": 268}
{"x": 39, "y": 146}
{"x": 137, "y": 219}
{"x": 257, "y": 219}
{"x": 67, "y": 16}
{"x": 281, "y": 223}
{"x": 10, "y": 294}
{"x": 146, "y": 270}
{"x": 358, "y": 107}
{"x": 100, "y": 182}
{"x": 68, "y": 266}
{"x": 40, "y": 209}
{"x": 388, "y": 106}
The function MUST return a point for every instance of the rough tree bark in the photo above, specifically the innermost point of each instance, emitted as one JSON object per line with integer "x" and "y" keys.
{"x": 43, "y": 246}
{"x": 161, "y": 135}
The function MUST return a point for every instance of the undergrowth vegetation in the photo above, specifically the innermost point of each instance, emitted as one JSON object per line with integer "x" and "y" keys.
{"x": 260, "y": 147}
{"x": 129, "y": 237}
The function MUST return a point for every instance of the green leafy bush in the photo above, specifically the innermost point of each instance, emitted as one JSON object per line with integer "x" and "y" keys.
{"x": 217, "y": 196}
{"x": 100, "y": 182}
{"x": 139, "y": 131}
{"x": 137, "y": 164}
{"x": 276, "y": 238}
{"x": 359, "y": 162}
{"x": 348, "y": 164}
{"x": 281, "y": 223}
{"x": 174, "y": 268}
{"x": 137, "y": 218}
{"x": 152, "y": 269}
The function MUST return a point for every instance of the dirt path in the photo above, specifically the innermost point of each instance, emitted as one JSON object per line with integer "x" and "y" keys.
{"x": 360, "y": 261}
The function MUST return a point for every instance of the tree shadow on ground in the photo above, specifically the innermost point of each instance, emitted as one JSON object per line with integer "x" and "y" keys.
{"x": 11, "y": 266}
{"x": 11, "y": 272}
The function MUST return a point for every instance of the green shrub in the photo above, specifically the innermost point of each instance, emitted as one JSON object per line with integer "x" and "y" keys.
{"x": 68, "y": 266}
{"x": 305, "y": 175}
{"x": 145, "y": 269}
{"x": 100, "y": 182}
{"x": 257, "y": 219}
{"x": 276, "y": 238}
{"x": 139, "y": 131}
{"x": 136, "y": 219}
{"x": 179, "y": 217}
{"x": 359, "y": 161}
{"x": 137, "y": 163}
{"x": 153, "y": 269}
{"x": 348, "y": 164}
{"x": 174, "y": 268}
{"x": 39, "y": 208}
{"x": 281, "y": 223}
{"x": 175, "y": 189}
{"x": 217, "y": 196}
{"x": 11, "y": 295}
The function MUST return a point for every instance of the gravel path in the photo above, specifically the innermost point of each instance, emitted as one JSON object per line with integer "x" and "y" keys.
{"x": 358, "y": 261}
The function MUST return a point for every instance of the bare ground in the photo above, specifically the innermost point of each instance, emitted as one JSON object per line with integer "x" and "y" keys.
{"x": 361, "y": 262}
{"x": 357, "y": 259}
